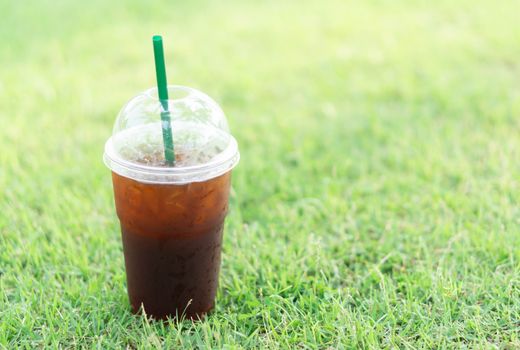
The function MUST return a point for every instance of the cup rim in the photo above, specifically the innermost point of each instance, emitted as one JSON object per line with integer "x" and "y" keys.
{"x": 218, "y": 165}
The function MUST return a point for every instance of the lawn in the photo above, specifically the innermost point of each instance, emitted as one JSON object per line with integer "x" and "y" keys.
{"x": 376, "y": 204}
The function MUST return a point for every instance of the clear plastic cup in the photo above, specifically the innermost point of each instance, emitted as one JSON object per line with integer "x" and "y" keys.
{"x": 172, "y": 217}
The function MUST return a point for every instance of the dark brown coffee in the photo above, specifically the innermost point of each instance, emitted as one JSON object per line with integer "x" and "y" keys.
{"x": 172, "y": 240}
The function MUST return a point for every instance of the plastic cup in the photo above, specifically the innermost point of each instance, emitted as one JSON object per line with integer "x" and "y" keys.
{"x": 172, "y": 218}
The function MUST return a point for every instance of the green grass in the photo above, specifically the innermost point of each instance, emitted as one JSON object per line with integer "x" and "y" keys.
{"x": 376, "y": 204}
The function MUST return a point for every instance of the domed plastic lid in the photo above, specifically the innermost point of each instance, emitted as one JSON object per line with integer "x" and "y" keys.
{"x": 203, "y": 145}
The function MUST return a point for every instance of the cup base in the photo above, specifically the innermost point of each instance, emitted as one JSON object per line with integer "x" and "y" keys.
{"x": 193, "y": 316}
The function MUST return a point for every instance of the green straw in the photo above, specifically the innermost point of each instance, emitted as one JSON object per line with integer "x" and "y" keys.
{"x": 162, "y": 88}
